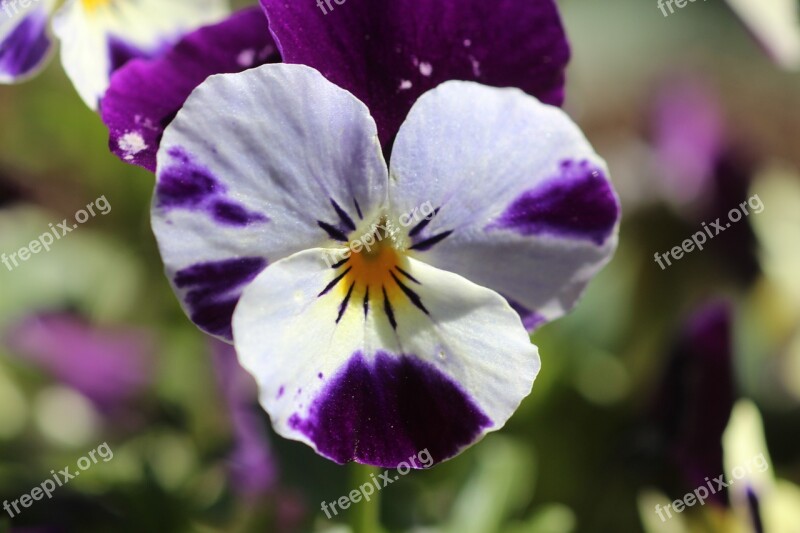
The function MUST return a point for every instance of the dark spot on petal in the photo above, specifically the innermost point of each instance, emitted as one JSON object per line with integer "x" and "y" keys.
{"x": 578, "y": 204}
{"x": 384, "y": 410}
{"x": 214, "y": 289}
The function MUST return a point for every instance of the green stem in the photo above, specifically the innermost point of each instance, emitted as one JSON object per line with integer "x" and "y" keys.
{"x": 365, "y": 515}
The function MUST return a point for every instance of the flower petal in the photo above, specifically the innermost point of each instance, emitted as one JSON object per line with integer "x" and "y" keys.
{"x": 775, "y": 25}
{"x": 523, "y": 203}
{"x": 97, "y": 38}
{"x": 376, "y": 373}
{"x": 25, "y": 41}
{"x": 390, "y": 53}
{"x": 145, "y": 95}
{"x": 290, "y": 162}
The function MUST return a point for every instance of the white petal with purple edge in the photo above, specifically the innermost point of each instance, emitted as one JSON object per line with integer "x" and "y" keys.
{"x": 382, "y": 357}
{"x": 25, "y": 41}
{"x": 257, "y": 166}
{"x": 99, "y": 36}
{"x": 524, "y": 203}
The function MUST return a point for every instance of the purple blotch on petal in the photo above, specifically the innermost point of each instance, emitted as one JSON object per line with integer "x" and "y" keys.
{"x": 579, "y": 204}
{"x": 185, "y": 184}
{"x": 26, "y": 46}
{"x": 234, "y": 214}
{"x": 188, "y": 185}
{"x": 214, "y": 289}
{"x": 385, "y": 409}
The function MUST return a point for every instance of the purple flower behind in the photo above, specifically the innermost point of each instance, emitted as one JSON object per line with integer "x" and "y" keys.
{"x": 702, "y": 168}
{"x": 688, "y": 137}
{"x": 252, "y": 468}
{"x": 146, "y": 94}
{"x": 696, "y": 396}
{"x": 108, "y": 366}
{"x": 389, "y": 53}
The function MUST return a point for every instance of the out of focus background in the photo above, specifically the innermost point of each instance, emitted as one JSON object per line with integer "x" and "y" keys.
{"x": 666, "y": 376}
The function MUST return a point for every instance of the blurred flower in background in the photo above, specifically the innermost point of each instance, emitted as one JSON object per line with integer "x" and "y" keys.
{"x": 96, "y": 36}
{"x": 108, "y": 366}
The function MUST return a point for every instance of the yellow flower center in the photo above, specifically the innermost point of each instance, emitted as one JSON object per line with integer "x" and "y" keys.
{"x": 93, "y": 5}
{"x": 372, "y": 270}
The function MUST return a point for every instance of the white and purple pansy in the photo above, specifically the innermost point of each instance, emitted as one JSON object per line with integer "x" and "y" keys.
{"x": 99, "y": 36}
{"x": 374, "y": 334}
{"x": 25, "y": 41}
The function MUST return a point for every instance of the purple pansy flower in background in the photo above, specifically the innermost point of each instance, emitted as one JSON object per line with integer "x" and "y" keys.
{"x": 703, "y": 172}
{"x": 96, "y": 36}
{"x": 372, "y": 331}
{"x": 389, "y": 53}
{"x": 253, "y": 470}
{"x": 145, "y": 95}
{"x": 688, "y": 136}
{"x": 386, "y": 53}
{"x": 695, "y": 398}
{"x": 108, "y": 366}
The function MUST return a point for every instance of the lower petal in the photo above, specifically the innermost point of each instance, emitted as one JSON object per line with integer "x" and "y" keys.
{"x": 376, "y": 371}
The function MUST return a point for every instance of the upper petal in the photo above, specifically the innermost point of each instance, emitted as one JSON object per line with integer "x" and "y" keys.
{"x": 146, "y": 94}
{"x": 389, "y": 53}
{"x": 99, "y": 37}
{"x": 25, "y": 41}
{"x": 523, "y": 203}
{"x": 255, "y": 167}
{"x": 377, "y": 371}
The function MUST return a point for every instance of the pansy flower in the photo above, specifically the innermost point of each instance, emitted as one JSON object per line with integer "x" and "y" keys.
{"x": 108, "y": 366}
{"x": 385, "y": 53}
{"x": 97, "y": 36}
{"x": 382, "y": 311}
{"x": 695, "y": 398}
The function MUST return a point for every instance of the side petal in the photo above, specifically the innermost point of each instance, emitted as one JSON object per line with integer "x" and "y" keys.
{"x": 376, "y": 373}
{"x": 522, "y": 202}
{"x": 100, "y": 36}
{"x": 289, "y": 162}
{"x": 145, "y": 95}
{"x": 390, "y": 53}
{"x": 25, "y": 42}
